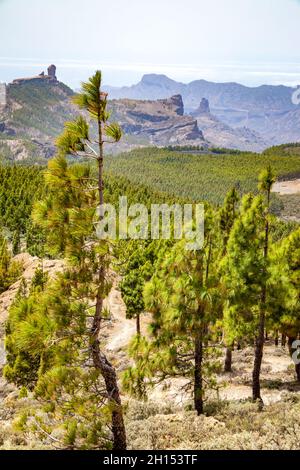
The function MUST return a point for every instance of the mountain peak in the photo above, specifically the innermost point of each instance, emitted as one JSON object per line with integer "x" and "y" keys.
{"x": 155, "y": 79}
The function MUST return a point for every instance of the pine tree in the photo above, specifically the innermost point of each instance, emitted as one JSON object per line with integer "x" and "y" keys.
{"x": 266, "y": 182}
{"x": 10, "y": 270}
{"x": 228, "y": 215}
{"x": 184, "y": 299}
{"x": 16, "y": 242}
{"x": 247, "y": 273}
{"x": 67, "y": 321}
{"x": 136, "y": 271}
{"x": 285, "y": 287}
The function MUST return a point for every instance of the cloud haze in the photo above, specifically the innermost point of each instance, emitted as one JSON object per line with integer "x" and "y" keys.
{"x": 253, "y": 41}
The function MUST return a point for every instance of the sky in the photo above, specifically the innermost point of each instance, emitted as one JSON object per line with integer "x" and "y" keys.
{"x": 253, "y": 42}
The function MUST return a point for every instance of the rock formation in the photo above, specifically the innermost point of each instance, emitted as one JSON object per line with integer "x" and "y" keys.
{"x": 38, "y": 78}
{"x": 160, "y": 122}
{"x": 2, "y": 95}
{"x": 270, "y": 111}
{"x": 219, "y": 134}
{"x": 175, "y": 103}
{"x": 52, "y": 72}
{"x": 204, "y": 107}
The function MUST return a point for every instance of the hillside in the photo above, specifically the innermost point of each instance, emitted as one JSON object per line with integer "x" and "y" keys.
{"x": 35, "y": 112}
{"x": 199, "y": 177}
{"x": 220, "y": 95}
{"x": 36, "y": 108}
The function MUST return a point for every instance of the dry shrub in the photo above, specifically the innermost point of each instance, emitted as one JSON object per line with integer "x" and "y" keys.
{"x": 235, "y": 425}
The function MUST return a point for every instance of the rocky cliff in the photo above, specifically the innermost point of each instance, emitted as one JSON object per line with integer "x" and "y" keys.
{"x": 37, "y": 107}
{"x": 160, "y": 122}
{"x": 222, "y": 135}
{"x": 260, "y": 109}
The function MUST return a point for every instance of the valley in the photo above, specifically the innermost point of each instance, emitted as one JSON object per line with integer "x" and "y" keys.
{"x": 266, "y": 110}
{"x": 156, "y": 112}
{"x": 145, "y": 332}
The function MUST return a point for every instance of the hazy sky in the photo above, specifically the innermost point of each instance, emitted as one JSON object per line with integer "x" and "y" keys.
{"x": 250, "y": 41}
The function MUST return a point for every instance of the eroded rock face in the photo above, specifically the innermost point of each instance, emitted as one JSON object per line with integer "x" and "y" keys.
{"x": 160, "y": 122}
{"x": 176, "y": 102}
{"x": 204, "y": 107}
{"x": 52, "y": 72}
{"x": 2, "y": 95}
{"x": 219, "y": 134}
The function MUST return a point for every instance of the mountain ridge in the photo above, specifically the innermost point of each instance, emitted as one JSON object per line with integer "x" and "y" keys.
{"x": 257, "y": 108}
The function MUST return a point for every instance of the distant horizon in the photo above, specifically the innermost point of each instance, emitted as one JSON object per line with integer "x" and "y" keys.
{"x": 73, "y": 72}
{"x": 251, "y": 42}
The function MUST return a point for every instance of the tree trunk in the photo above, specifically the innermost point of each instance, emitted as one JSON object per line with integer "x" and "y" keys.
{"x": 297, "y": 369}
{"x": 138, "y": 324}
{"x": 292, "y": 351}
{"x": 100, "y": 361}
{"x": 283, "y": 340}
{"x": 109, "y": 374}
{"x": 259, "y": 348}
{"x": 276, "y": 339}
{"x": 260, "y": 339}
{"x": 228, "y": 360}
{"x": 198, "y": 379}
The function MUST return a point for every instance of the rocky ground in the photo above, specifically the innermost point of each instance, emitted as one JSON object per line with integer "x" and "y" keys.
{"x": 287, "y": 187}
{"x": 289, "y": 193}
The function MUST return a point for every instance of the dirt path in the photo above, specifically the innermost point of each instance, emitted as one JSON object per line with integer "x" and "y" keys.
{"x": 121, "y": 329}
{"x": 277, "y": 368}
{"x": 287, "y": 187}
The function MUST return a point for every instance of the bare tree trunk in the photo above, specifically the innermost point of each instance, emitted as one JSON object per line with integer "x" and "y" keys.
{"x": 228, "y": 360}
{"x": 138, "y": 324}
{"x": 283, "y": 340}
{"x": 108, "y": 372}
{"x": 259, "y": 347}
{"x": 276, "y": 339}
{"x": 198, "y": 379}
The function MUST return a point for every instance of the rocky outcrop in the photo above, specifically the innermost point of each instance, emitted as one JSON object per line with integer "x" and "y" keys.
{"x": 38, "y": 78}
{"x": 2, "y": 95}
{"x": 175, "y": 103}
{"x": 269, "y": 111}
{"x": 222, "y": 135}
{"x": 161, "y": 122}
{"x": 52, "y": 72}
{"x": 35, "y": 113}
{"x": 204, "y": 107}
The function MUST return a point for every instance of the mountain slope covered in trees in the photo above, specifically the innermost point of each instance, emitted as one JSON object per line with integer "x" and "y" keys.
{"x": 73, "y": 386}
